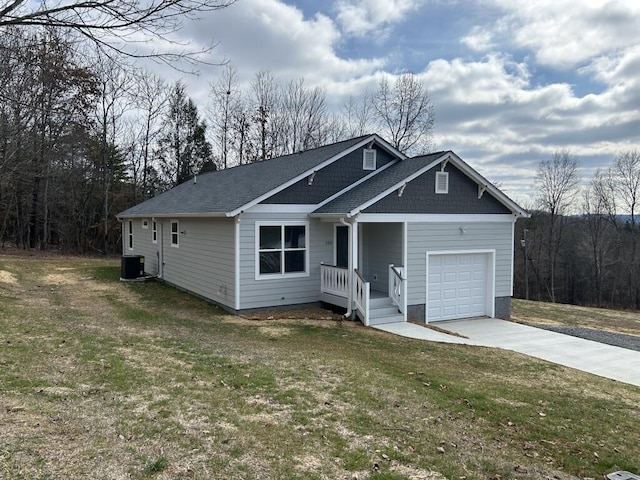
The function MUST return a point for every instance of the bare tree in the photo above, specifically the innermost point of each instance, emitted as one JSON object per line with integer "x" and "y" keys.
{"x": 150, "y": 95}
{"x": 557, "y": 181}
{"x": 224, "y": 107}
{"x": 599, "y": 238}
{"x": 114, "y": 87}
{"x": 264, "y": 103}
{"x": 626, "y": 175}
{"x": 405, "y": 113}
{"x": 109, "y": 24}
{"x": 303, "y": 113}
{"x": 358, "y": 115}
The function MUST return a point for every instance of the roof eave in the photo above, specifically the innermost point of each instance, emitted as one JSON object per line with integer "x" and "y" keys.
{"x": 173, "y": 215}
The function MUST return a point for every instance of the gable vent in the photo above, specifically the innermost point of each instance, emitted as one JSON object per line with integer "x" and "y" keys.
{"x": 442, "y": 182}
{"x": 369, "y": 159}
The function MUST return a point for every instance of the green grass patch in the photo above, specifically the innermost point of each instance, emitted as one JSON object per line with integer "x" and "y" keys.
{"x": 105, "y": 379}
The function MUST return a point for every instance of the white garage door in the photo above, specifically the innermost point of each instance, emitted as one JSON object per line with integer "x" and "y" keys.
{"x": 458, "y": 286}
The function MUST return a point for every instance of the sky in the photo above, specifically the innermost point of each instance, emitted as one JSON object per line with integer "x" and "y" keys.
{"x": 512, "y": 81}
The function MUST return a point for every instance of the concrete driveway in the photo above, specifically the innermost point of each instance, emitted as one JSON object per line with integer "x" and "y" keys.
{"x": 605, "y": 360}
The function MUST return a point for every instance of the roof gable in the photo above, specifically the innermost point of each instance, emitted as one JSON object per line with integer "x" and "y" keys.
{"x": 369, "y": 197}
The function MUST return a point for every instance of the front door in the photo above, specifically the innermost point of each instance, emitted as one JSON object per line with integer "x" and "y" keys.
{"x": 342, "y": 246}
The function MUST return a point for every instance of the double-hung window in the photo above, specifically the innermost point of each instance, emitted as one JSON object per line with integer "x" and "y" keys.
{"x": 175, "y": 234}
{"x": 154, "y": 231}
{"x": 130, "y": 234}
{"x": 282, "y": 250}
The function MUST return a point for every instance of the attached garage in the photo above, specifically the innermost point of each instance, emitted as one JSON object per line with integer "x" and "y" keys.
{"x": 460, "y": 285}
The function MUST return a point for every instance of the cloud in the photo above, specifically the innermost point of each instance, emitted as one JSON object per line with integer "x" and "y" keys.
{"x": 491, "y": 113}
{"x": 361, "y": 17}
{"x": 563, "y": 34}
{"x": 479, "y": 39}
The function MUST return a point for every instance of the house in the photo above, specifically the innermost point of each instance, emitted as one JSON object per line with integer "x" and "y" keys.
{"x": 354, "y": 224}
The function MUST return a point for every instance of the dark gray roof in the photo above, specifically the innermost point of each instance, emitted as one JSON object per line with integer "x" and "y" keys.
{"x": 376, "y": 185}
{"x": 224, "y": 191}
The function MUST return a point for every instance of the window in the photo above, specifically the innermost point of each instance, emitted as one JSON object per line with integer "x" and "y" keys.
{"x": 145, "y": 223}
{"x": 369, "y": 159}
{"x": 442, "y": 182}
{"x": 175, "y": 234}
{"x": 282, "y": 250}
{"x": 130, "y": 234}
{"x": 154, "y": 231}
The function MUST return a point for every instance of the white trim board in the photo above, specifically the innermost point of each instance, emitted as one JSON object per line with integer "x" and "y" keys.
{"x": 431, "y": 218}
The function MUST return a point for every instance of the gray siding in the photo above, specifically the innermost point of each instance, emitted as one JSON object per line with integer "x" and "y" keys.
{"x": 330, "y": 180}
{"x": 381, "y": 246}
{"x": 423, "y": 237}
{"x": 273, "y": 292}
{"x": 419, "y": 197}
{"x": 142, "y": 244}
{"x": 204, "y": 261}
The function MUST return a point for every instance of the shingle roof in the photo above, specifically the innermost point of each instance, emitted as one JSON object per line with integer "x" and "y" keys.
{"x": 376, "y": 185}
{"x": 226, "y": 190}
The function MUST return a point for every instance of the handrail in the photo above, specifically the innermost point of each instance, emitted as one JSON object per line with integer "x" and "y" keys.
{"x": 334, "y": 280}
{"x": 361, "y": 296}
{"x": 397, "y": 287}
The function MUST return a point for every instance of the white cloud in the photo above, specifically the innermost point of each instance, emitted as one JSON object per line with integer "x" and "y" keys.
{"x": 491, "y": 113}
{"x": 564, "y": 34}
{"x": 256, "y": 35}
{"x": 360, "y": 17}
{"x": 479, "y": 39}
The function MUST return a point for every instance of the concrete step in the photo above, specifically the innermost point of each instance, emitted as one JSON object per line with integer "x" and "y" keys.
{"x": 383, "y": 311}
{"x": 378, "y": 302}
{"x": 386, "y": 319}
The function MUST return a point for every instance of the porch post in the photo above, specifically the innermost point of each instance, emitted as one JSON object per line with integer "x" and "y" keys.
{"x": 353, "y": 258}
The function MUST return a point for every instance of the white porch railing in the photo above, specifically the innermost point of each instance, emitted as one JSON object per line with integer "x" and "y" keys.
{"x": 361, "y": 294}
{"x": 334, "y": 280}
{"x": 397, "y": 287}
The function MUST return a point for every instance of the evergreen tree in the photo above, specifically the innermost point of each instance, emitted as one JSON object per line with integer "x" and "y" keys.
{"x": 183, "y": 147}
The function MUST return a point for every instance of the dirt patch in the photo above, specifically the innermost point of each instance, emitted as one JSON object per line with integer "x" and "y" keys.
{"x": 309, "y": 313}
{"x": 8, "y": 277}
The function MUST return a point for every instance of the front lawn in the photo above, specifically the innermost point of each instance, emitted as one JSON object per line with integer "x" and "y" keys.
{"x": 107, "y": 380}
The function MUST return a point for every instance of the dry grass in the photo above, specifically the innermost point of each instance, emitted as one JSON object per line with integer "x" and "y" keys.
{"x": 619, "y": 321}
{"x": 106, "y": 380}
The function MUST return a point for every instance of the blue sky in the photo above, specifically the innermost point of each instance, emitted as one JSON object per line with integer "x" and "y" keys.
{"x": 512, "y": 81}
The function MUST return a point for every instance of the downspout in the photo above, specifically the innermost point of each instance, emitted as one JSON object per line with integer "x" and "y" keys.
{"x": 349, "y": 313}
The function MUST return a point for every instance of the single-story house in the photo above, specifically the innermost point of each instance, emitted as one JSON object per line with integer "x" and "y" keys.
{"x": 355, "y": 224}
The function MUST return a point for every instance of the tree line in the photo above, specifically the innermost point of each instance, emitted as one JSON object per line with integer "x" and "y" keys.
{"x": 581, "y": 243}
{"x": 84, "y": 134}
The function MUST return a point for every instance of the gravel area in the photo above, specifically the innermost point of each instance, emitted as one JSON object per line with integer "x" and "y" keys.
{"x": 630, "y": 342}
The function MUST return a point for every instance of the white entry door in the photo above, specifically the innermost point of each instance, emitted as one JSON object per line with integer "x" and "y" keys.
{"x": 458, "y": 285}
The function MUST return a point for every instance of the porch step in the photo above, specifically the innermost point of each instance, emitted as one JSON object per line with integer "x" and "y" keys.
{"x": 382, "y": 310}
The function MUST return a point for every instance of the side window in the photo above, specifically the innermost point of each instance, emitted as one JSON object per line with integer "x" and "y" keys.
{"x": 154, "y": 231}
{"x": 130, "y": 234}
{"x": 175, "y": 233}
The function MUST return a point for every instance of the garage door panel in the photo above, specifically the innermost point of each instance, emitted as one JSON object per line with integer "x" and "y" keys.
{"x": 457, "y": 286}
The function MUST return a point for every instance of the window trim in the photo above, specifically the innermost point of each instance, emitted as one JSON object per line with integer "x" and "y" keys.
{"x": 444, "y": 175}
{"x": 154, "y": 231}
{"x": 282, "y": 275}
{"x": 374, "y": 153}
{"x": 175, "y": 244}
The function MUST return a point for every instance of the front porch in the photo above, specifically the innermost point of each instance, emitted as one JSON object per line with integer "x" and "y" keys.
{"x": 349, "y": 289}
